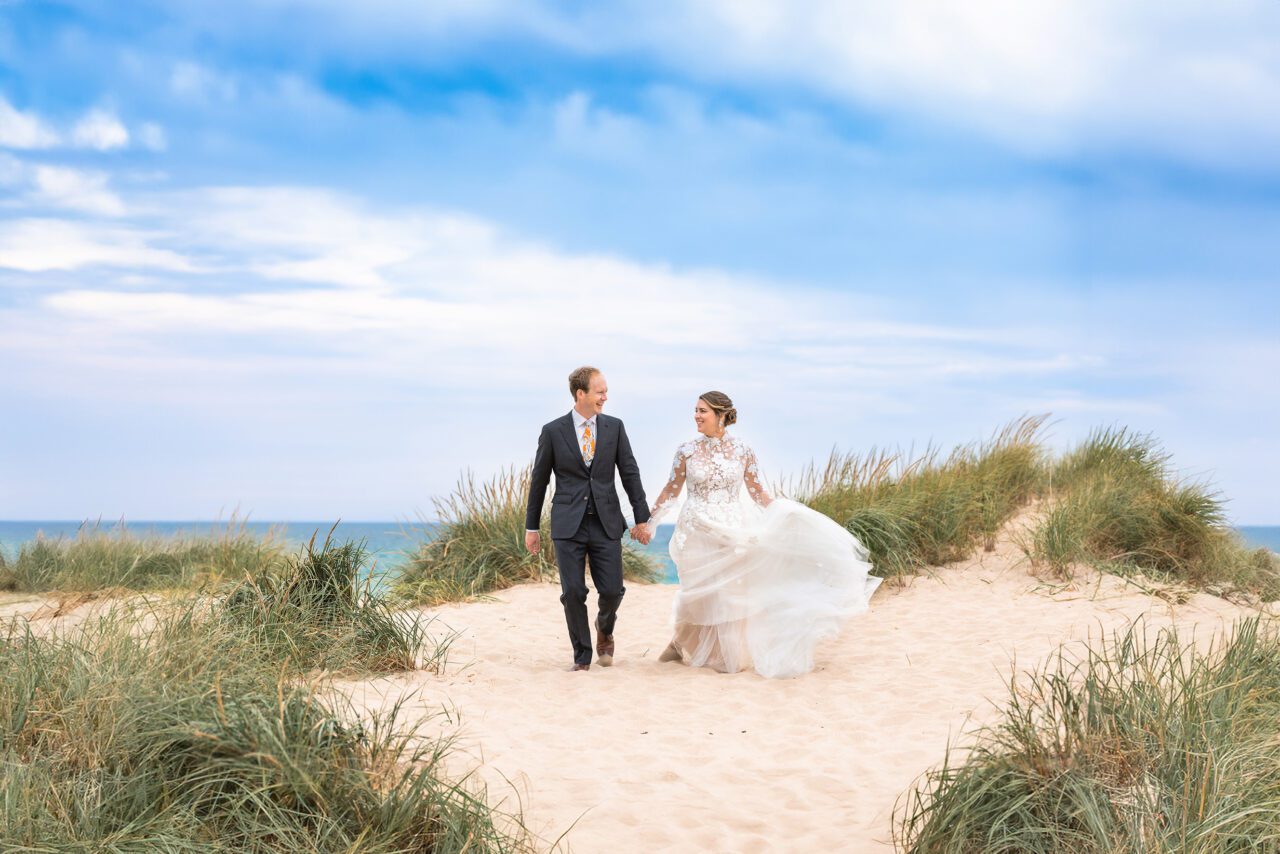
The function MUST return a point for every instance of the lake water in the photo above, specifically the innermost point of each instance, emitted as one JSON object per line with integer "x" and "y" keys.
{"x": 1262, "y": 536}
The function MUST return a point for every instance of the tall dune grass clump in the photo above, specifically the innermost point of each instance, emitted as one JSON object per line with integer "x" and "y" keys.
{"x": 930, "y": 509}
{"x": 101, "y": 558}
{"x": 142, "y": 735}
{"x": 315, "y": 614}
{"x": 1116, "y": 505}
{"x": 479, "y": 545}
{"x": 1142, "y": 745}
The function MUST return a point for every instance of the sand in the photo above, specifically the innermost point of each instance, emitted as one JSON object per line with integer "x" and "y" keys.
{"x": 650, "y": 757}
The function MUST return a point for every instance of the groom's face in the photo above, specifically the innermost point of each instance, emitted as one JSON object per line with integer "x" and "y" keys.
{"x": 592, "y": 402}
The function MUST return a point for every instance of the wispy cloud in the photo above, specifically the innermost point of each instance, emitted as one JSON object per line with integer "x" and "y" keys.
{"x": 20, "y": 129}
{"x": 76, "y": 189}
{"x": 1043, "y": 77}
{"x": 413, "y": 289}
{"x": 37, "y": 245}
{"x": 100, "y": 129}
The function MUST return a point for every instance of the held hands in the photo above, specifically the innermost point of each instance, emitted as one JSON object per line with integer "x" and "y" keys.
{"x": 642, "y": 534}
{"x": 533, "y": 541}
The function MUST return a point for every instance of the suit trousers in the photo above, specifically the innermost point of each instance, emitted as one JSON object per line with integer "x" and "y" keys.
{"x": 591, "y": 543}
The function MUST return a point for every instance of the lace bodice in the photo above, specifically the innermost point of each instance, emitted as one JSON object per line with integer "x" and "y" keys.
{"x": 715, "y": 471}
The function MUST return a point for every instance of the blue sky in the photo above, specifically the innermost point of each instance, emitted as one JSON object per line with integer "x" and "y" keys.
{"x": 313, "y": 259}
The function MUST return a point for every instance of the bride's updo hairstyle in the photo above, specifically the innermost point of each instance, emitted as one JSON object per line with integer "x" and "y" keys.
{"x": 721, "y": 405}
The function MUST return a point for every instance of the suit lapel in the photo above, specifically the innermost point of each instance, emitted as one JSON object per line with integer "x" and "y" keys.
{"x": 570, "y": 434}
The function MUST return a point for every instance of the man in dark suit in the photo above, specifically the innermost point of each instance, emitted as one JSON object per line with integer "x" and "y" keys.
{"x": 583, "y": 449}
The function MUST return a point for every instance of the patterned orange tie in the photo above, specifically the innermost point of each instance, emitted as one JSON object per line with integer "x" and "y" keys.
{"x": 588, "y": 443}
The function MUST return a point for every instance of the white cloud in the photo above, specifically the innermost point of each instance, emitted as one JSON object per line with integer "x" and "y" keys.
{"x": 392, "y": 291}
{"x": 75, "y": 189}
{"x": 220, "y": 303}
{"x": 61, "y": 187}
{"x": 23, "y": 130}
{"x": 42, "y": 245}
{"x": 100, "y": 129}
{"x": 1193, "y": 81}
{"x": 1184, "y": 79}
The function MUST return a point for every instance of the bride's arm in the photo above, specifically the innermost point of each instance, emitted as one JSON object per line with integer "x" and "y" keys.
{"x": 671, "y": 491}
{"x": 751, "y": 476}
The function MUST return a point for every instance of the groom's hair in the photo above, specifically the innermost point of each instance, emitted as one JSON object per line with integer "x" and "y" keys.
{"x": 580, "y": 380}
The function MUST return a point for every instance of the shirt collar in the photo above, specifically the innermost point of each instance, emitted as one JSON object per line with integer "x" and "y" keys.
{"x": 578, "y": 420}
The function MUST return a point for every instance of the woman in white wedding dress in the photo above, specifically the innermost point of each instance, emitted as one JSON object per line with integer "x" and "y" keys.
{"x": 761, "y": 582}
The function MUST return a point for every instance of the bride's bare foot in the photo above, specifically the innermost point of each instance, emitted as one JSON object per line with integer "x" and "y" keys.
{"x": 671, "y": 653}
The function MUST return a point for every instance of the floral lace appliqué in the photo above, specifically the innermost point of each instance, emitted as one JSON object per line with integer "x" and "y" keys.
{"x": 715, "y": 471}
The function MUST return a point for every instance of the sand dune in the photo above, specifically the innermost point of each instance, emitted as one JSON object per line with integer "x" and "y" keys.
{"x": 650, "y": 757}
{"x": 653, "y": 757}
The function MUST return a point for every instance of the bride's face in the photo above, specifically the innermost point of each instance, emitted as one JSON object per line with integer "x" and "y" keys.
{"x": 704, "y": 417}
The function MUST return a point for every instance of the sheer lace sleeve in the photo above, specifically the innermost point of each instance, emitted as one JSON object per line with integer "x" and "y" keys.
{"x": 751, "y": 477}
{"x": 671, "y": 491}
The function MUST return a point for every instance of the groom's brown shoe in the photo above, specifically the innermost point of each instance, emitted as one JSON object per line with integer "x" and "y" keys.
{"x": 604, "y": 647}
{"x": 577, "y": 667}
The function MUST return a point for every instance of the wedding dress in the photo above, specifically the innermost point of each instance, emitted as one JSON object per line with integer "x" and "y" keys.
{"x": 761, "y": 582}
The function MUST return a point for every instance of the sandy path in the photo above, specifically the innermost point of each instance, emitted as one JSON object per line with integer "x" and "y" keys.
{"x": 651, "y": 757}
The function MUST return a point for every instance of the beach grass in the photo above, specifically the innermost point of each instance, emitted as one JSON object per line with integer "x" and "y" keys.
{"x": 915, "y": 511}
{"x": 1116, "y": 505}
{"x": 139, "y": 734}
{"x": 478, "y": 546}
{"x": 1142, "y": 744}
{"x": 314, "y": 613}
{"x": 101, "y": 558}
{"x": 205, "y": 723}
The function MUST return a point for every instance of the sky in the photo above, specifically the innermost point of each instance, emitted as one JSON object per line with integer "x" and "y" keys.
{"x": 316, "y": 260}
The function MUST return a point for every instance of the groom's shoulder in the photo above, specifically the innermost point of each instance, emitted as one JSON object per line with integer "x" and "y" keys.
{"x": 554, "y": 422}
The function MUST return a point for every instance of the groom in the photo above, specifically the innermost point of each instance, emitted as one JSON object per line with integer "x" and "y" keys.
{"x": 583, "y": 448}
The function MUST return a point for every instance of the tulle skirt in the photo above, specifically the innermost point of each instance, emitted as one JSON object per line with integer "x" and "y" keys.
{"x": 763, "y": 592}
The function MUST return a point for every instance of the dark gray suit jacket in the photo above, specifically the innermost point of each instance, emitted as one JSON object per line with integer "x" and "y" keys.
{"x": 558, "y": 452}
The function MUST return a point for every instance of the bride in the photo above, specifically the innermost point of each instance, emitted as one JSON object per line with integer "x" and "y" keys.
{"x": 761, "y": 582}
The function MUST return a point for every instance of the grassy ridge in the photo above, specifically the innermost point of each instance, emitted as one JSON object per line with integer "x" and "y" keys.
{"x": 1112, "y": 503}
{"x": 186, "y": 727}
{"x": 1117, "y": 506}
{"x": 479, "y": 545}
{"x": 1144, "y": 745}
{"x": 928, "y": 510}
{"x": 100, "y": 558}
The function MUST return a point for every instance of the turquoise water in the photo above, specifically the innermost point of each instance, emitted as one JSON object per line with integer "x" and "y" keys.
{"x": 1262, "y": 536}
{"x": 389, "y": 543}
